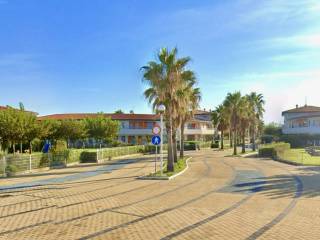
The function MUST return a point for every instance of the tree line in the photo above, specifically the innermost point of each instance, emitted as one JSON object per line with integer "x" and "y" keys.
{"x": 171, "y": 84}
{"x": 18, "y": 127}
{"x": 241, "y": 116}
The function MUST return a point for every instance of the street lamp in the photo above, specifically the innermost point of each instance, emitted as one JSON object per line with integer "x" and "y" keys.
{"x": 161, "y": 109}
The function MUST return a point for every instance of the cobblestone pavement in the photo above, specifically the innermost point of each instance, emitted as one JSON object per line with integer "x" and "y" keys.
{"x": 218, "y": 197}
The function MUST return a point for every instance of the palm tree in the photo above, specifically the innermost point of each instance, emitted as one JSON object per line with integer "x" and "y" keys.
{"x": 189, "y": 102}
{"x": 244, "y": 123}
{"x": 256, "y": 103}
{"x": 165, "y": 80}
{"x": 220, "y": 121}
{"x": 234, "y": 103}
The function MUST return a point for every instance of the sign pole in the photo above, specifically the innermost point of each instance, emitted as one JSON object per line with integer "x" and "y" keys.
{"x": 155, "y": 162}
{"x": 161, "y": 145}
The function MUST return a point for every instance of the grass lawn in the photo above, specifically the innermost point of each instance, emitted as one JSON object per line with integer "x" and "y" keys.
{"x": 178, "y": 167}
{"x": 300, "y": 156}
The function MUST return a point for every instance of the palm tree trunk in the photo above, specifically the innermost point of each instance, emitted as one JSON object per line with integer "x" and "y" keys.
{"x": 235, "y": 142}
{"x": 21, "y": 147}
{"x": 182, "y": 140}
{"x": 174, "y": 141}
{"x": 222, "y": 144}
{"x": 243, "y": 142}
{"x": 14, "y": 148}
{"x": 30, "y": 147}
{"x": 254, "y": 139}
{"x": 170, "y": 165}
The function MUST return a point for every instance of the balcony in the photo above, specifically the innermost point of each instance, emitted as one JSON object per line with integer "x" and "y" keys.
{"x": 301, "y": 130}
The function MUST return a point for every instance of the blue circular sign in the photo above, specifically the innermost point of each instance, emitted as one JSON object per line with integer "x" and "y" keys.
{"x": 156, "y": 140}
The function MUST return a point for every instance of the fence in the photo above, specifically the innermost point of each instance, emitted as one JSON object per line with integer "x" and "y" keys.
{"x": 205, "y": 145}
{"x": 298, "y": 156}
{"x": 21, "y": 163}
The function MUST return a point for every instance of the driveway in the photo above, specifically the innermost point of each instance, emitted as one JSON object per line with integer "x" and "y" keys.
{"x": 218, "y": 197}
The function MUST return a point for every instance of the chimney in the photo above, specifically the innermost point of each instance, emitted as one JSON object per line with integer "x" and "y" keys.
{"x": 297, "y": 106}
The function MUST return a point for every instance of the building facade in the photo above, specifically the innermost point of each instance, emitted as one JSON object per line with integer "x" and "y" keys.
{"x": 137, "y": 128}
{"x": 302, "y": 120}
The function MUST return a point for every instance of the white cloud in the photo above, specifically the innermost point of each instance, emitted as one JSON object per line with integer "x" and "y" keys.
{"x": 284, "y": 90}
{"x": 302, "y": 40}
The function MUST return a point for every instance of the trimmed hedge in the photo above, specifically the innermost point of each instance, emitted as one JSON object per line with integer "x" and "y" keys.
{"x": 272, "y": 150}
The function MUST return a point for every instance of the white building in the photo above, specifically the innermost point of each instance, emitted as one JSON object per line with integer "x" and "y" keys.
{"x": 302, "y": 120}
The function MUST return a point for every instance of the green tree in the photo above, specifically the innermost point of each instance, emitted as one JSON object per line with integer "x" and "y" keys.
{"x": 102, "y": 128}
{"x": 119, "y": 111}
{"x": 189, "y": 99}
{"x": 11, "y": 127}
{"x": 165, "y": 79}
{"x": 256, "y": 104}
{"x": 234, "y": 104}
{"x": 71, "y": 130}
{"x": 220, "y": 121}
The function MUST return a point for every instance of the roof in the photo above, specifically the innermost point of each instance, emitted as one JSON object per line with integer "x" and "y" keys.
{"x": 114, "y": 116}
{"x": 304, "y": 109}
{"x": 2, "y": 107}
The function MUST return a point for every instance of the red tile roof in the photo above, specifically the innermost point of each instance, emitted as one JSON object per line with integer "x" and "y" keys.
{"x": 114, "y": 116}
{"x": 304, "y": 109}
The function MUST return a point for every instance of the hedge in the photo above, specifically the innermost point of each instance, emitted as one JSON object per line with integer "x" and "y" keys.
{"x": 301, "y": 140}
{"x": 273, "y": 150}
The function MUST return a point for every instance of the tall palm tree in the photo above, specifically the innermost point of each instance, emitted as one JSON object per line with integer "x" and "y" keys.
{"x": 189, "y": 102}
{"x": 234, "y": 103}
{"x": 245, "y": 117}
{"x": 165, "y": 80}
{"x": 220, "y": 121}
{"x": 256, "y": 103}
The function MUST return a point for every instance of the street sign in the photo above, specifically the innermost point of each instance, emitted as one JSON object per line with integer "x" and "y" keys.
{"x": 156, "y": 140}
{"x": 156, "y": 130}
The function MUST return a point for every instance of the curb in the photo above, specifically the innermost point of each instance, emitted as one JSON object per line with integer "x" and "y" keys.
{"x": 165, "y": 177}
{"x": 250, "y": 154}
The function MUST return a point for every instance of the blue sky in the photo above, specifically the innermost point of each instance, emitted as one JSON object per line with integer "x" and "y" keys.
{"x": 84, "y": 56}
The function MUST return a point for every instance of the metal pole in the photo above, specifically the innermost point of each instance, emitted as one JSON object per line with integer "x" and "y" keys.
{"x": 155, "y": 161}
{"x": 161, "y": 144}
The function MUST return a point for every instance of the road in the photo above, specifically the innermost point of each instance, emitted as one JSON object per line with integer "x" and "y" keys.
{"x": 218, "y": 197}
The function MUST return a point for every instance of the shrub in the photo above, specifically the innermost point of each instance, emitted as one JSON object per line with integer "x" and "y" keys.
{"x": 266, "y": 139}
{"x": 215, "y": 145}
{"x": 11, "y": 170}
{"x": 191, "y": 146}
{"x": 60, "y": 146}
{"x": 272, "y": 150}
{"x": 301, "y": 140}
{"x": 87, "y": 157}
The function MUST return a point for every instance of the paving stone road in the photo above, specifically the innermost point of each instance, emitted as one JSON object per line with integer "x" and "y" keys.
{"x": 218, "y": 197}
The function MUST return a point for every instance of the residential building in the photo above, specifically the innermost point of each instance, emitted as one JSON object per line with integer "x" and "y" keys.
{"x": 137, "y": 128}
{"x": 302, "y": 120}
